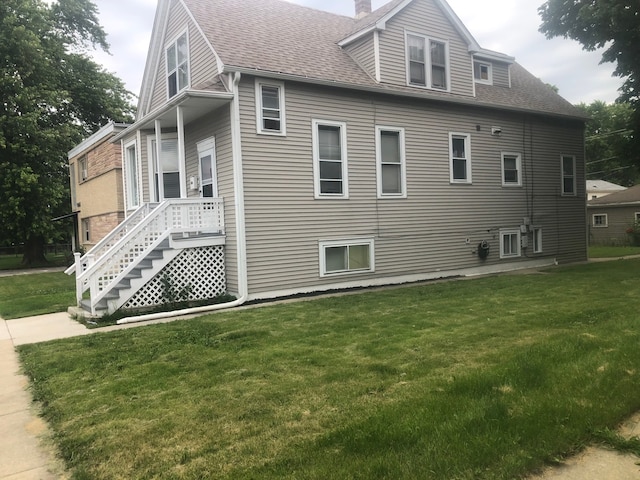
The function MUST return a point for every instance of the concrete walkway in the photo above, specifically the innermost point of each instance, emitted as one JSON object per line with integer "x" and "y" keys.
{"x": 27, "y": 454}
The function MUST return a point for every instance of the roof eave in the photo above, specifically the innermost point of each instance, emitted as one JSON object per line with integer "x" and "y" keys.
{"x": 398, "y": 93}
{"x": 176, "y": 101}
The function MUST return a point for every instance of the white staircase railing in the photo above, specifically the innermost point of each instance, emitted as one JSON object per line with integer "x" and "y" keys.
{"x": 113, "y": 237}
{"x": 101, "y": 274}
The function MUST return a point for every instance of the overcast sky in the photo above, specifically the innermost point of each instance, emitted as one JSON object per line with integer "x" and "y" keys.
{"x": 507, "y": 26}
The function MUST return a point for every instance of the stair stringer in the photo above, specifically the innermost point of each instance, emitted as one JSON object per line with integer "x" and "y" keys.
{"x": 146, "y": 275}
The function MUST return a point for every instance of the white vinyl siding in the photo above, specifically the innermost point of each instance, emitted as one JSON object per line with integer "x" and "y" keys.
{"x": 460, "y": 157}
{"x": 421, "y": 234}
{"x": 270, "y": 108}
{"x": 511, "y": 169}
{"x": 390, "y": 161}
{"x": 346, "y": 256}
{"x": 509, "y": 243}
{"x": 568, "y": 167}
{"x": 427, "y": 62}
{"x": 177, "y": 61}
{"x": 330, "y": 159}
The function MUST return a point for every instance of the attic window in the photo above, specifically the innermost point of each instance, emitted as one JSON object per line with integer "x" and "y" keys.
{"x": 177, "y": 65}
{"x": 482, "y": 72}
{"x": 427, "y": 62}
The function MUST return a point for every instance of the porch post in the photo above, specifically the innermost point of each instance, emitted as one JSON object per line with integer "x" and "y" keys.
{"x": 157, "y": 167}
{"x": 182, "y": 166}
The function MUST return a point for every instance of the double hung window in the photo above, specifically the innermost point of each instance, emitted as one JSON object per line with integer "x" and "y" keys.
{"x": 177, "y": 59}
{"x": 568, "y": 175}
{"x": 83, "y": 169}
{"x": 511, "y": 170}
{"x": 270, "y": 113}
{"x": 330, "y": 159}
{"x": 427, "y": 62}
{"x": 460, "y": 157}
{"x": 391, "y": 162}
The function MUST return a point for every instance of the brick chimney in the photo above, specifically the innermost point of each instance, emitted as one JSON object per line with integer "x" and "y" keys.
{"x": 363, "y": 8}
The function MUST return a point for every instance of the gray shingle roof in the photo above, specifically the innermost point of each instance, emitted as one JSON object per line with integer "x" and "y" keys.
{"x": 274, "y": 37}
{"x": 628, "y": 196}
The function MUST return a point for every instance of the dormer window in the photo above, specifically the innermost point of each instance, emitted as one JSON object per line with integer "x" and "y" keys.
{"x": 427, "y": 62}
{"x": 482, "y": 72}
{"x": 177, "y": 65}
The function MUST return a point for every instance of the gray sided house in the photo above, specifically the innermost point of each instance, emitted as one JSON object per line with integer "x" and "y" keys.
{"x": 612, "y": 215}
{"x": 281, "y": 150}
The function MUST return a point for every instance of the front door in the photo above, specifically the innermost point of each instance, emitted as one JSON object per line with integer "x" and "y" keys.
{"x": 166, "y": 169}
{"x": 207, "y": 159}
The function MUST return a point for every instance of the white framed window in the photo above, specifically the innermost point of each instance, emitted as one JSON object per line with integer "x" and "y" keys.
{"x": 330, "y": 159}
{"x": 511, "y": 169}
{"x": 86, "y": 229}
{"x": 637, "y": 216}
{"x": 537, "y": 239}
{"x": 483, "y": 72}
{"x": 177, "y": 61}
{"x": 568, "y": 167}
{"x": 427, "y": 62}
{"x": 600, "y": 220}
{"x": 132, "y": 176}
{"x": 390, "y": 161}
{"x": 460, "y": 157}
{"x": 340, "y": 257}
{"x": 509, "y": 243}
{"x": 270, "y": 111}
{"x": 83, "y": 169}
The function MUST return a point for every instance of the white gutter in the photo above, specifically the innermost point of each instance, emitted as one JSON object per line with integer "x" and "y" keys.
{"x": 243, "y": 290}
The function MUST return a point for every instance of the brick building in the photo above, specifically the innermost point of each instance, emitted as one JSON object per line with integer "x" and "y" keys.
{"x": 95, "y": 175}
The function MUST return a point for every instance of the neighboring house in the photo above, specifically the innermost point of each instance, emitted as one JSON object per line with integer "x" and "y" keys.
{"x": 601, "y": 188}
{"x": 611, "y": 216}
{"x": 295, "y": 151}
{"x": 95, "y": 175}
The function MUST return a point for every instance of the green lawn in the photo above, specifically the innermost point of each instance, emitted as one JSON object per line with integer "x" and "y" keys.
{"x": 36, "y": 294}
{"x": 14, "y": 262}
{"x": 613, "y": 252}
{"x": 478, "y": 379}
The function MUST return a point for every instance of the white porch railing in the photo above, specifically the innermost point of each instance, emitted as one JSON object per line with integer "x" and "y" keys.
{"x": 113, "y": 237}
{"x": 99, "y": 274}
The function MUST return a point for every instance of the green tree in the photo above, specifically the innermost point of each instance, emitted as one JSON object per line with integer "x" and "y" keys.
{"x": 51, "y": 96}
{"x": 610, "y": 24}
{"x": 610, "y": 151}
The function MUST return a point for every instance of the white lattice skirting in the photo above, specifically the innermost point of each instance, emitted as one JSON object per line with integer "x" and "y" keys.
{"x": 201, "y": 269}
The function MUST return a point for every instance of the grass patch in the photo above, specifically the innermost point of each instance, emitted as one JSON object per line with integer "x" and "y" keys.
{"x": 613, "y": 252}
{"x": 488, "y": 378}
{"x": 36, "y": 294}
{"x": 14, "y": 262}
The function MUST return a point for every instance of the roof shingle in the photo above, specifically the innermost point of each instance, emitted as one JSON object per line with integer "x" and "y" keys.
{"x": 275, "y": 37}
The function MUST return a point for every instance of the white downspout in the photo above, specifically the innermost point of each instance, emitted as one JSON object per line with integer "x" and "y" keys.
{"x": 243, "y": 290}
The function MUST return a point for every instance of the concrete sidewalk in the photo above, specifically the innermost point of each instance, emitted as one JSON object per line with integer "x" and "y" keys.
{"x": 25, "y": 453}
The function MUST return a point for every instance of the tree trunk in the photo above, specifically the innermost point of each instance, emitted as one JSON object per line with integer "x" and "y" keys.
{"x": 34, "y": 252}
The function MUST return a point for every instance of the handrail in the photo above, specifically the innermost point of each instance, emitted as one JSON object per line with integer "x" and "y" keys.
{"x": 171, "y": 216}
{"x": 112, "y": 238}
